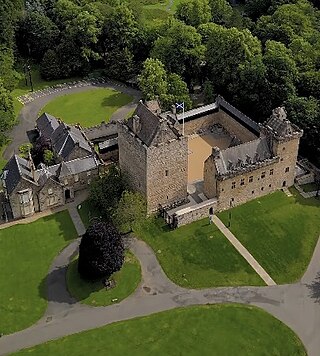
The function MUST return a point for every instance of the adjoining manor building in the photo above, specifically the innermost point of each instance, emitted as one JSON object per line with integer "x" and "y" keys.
{"x": 29, "y": 189}
{"x": 224, "y": 158}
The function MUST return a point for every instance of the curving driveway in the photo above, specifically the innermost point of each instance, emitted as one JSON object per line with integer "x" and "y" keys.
{"x": 29, "y": 113}
{"x": 297, "y": 305}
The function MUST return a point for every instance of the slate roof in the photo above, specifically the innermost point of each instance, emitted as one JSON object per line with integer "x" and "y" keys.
{"x": 16, "y": 169}
{"x": 63, "y": 138}
{"x": 148, "y": 127}
{"x": 243, "y": 155}
{"x": 102, "y": 131}
{"x": 47, "y": 124}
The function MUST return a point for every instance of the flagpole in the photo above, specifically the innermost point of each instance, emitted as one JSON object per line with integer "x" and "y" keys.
{"x": 183, "y": 119}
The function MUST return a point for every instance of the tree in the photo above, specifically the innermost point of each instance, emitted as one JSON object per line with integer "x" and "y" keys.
{"x": 48, "y": 157}
{"x": 208, "y": 92}
{"x": 8, "y": 75}
{"x": 153, "y": 79}
{"x": 35, "y": 35}
{"x": 50, "y": 66}
{"x": 101, "y": 252}
{"x": 131, "y": 210}
{"x": 193, "y": 12}
{"x": 7, "y": 116}
{"x": 179, "y": 48}
{"x": 221, "y": 11}
{"x": 106, "y": 192}
{"x": 177, "y": 93}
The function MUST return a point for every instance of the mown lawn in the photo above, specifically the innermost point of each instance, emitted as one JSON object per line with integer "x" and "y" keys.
{"x": 87, "y": 108}
{"x": 197, "y": 255}
{"x": 26, "y": 253}
{"x": 127, "y": 280}
{"x": 280, "y": 232}
{"x": 222, "y": 330}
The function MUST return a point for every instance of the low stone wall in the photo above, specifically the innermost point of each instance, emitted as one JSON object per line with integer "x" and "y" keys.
{"x": 195, "y": 212}
{"x": 305, "y": 179}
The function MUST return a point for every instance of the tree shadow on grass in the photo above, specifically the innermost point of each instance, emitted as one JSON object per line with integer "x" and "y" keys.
{"x": 314, "y": 289}
{"x": 64, "y": 285}
{"x": 114, "y": 100}
{"x": 66, "y": 226}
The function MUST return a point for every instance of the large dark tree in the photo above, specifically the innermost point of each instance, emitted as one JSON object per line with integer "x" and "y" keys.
{"x": 101, "y": 252}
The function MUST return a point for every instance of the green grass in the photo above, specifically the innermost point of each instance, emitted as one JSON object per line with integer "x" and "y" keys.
{"x": 127, "y": 280}
{"x": 309, "y": 187}
{"x": 197, "y": 255}
{"x": 223, "y": 330}
{"x": 280, "y": 232}
{"x": 86, "y": 212}
{"x": 26, "y": 252}
{"x": 88, "y": 108}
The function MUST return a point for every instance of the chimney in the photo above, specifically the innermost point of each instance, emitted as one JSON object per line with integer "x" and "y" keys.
{"x": 215, "y": 152}
{"x": 173, "y": 109}
{"x": 135, "y": 124}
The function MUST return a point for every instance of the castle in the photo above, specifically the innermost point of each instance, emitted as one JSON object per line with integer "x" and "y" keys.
{"x": 183, "y": 164}
{"x": 223, "y": 159}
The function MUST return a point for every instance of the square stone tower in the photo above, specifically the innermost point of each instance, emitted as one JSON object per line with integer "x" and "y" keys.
{"x": 155, "y": 157}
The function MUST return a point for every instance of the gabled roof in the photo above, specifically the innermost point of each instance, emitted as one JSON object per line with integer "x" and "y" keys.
{"x": 246, "y": 154}
{"x": 16, "y": 169}
{"x": 63, "y": 170}
{"x": 47, "y": 124}
{"x": 75, "y": 166}
{"x": 148, "y": 127}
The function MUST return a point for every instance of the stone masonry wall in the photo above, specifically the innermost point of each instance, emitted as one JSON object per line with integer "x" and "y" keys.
{"x": 167, "y": 173}
{"x": 248, "y": 186}
{"x": 15, "y": 198}
{"x": 199, "y": 211}
{"x": 56, "y": 198}
{"x": 133, "y": 159}
{"x": 209, "y": 177}
{"x": 231, "y": 125}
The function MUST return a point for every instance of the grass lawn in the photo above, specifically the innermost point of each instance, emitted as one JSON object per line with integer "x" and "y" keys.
{"x": 127, "y": 280}
{"x": 309, "y": 187}
{"x": 86, "y": 212}
{"x": 88, "y": 108}
{"x": 222, "y": 329}
{"x": 197, "y": 255}
{"x": 280, "y": 232}
{"x": 26, "y": 252}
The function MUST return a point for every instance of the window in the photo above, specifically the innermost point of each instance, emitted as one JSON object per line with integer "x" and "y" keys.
{"x": 263, "y": 174}
{"x": 89, "y": 181}
{"x": 50, "y": 191}
{"x": 52, "y": 200}
{"x": 281, "y": 159}
{"x": 89, "y": 173}
{"x": 76, "y": 178}
{"x": 166, "y": 173}
{"x": 283, "y": 148}
{"x": 233, "y": 185}
{"x": 287, "y": 169}
{"x": 262, "y": 188}
{"x": 252, "y": 192}
{"x": 66, "y": 182}
{"x": 250, "y": 179}
{"x": 242, "y": 181}
{"x": 269, "y": 185}
{"x": 271, "y": 172}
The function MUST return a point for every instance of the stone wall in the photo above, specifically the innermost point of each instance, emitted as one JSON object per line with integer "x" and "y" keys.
{"x": 15, "y": 198}
{"x": 247, "y": 186}
{"x": 209, "y": 177}
{"x": 51, "y": 195}
{"x": 196, "y": 212}
{"x": 231, "y": 125}
{"x": 167, "y": 173}
{"x": 133, "y": 159}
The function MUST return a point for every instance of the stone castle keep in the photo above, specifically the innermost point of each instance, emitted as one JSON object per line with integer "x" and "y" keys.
{"x": 245, "y": 160}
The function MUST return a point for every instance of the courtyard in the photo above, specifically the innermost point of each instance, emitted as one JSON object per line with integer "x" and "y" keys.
{"x": 200, "y": 148}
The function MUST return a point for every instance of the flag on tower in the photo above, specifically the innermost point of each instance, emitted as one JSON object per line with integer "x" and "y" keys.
{"x": 180, "y": 105}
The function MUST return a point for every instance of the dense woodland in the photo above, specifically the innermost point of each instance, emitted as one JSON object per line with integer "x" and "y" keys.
{"x": 258, "y": 54}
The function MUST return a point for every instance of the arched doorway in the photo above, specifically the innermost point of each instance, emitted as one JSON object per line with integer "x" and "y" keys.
{"x": 284, "y": 183}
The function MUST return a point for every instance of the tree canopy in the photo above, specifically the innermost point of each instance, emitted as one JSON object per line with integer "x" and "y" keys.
{"x": 101, "y": 252}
